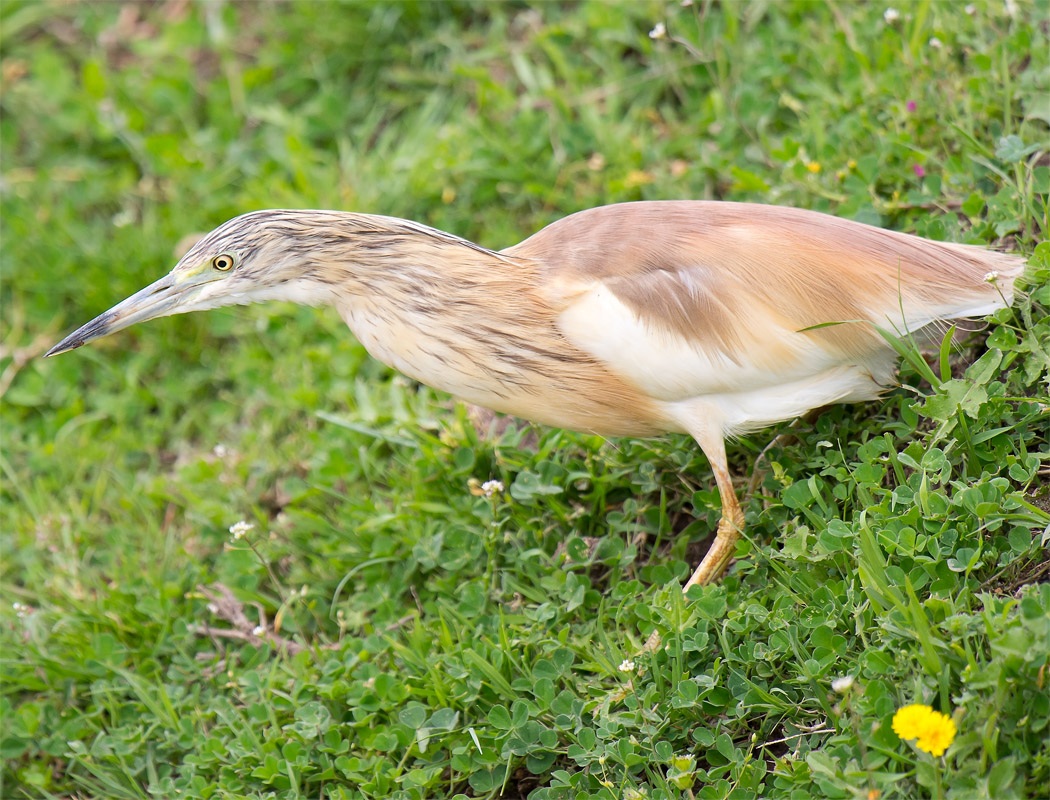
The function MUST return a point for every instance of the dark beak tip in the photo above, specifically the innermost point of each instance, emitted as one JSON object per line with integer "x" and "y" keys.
{"x": 62, "y": 347}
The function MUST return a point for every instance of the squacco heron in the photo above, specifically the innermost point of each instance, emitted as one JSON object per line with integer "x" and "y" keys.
{"x": 638, "y": 319}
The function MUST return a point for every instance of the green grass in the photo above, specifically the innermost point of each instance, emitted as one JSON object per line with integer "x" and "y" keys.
{"x": 442, "y": 643}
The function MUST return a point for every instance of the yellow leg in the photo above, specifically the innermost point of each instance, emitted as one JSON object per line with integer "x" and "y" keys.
{"x": 729, "y": 527}
{"x": 732, "y": 522}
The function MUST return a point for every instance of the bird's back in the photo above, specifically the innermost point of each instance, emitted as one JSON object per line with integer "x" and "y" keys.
{"x": 690, "y": 299}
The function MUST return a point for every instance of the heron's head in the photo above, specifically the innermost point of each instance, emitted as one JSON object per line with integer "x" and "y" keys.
{"x": 263, "y": 255}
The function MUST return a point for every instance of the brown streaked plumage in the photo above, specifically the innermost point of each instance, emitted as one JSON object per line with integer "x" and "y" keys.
{"x": 634, "y": 319}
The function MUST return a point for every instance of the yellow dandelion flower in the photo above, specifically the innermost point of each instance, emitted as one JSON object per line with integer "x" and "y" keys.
{"x": 932, "y": 730}
{"x": 813, "y": 166}
{"x": 939, "y": 735}
{"x": 910, "y": 721}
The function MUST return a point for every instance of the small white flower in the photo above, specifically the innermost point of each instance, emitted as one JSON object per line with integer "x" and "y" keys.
{"x": 686, "y": 3}
{"x": 970, "y": 10}
{"x": 686, "y": 762}
{"x": 258, "y": 630}
{"x": 240, "y": 529}
{"x": 991, "y": 277}
{"x": 936, "y": 43}
{"x": 220, "y": 451}
{"x": 843, "y": 684}
{"x": 627, "y": 665}
{"x": 890, "y": 15}
{"x": 490, "y": 488}
{"x": 123, "y": 218}
{"x": 21, "y": 609}
{"x": 659, "y": 31}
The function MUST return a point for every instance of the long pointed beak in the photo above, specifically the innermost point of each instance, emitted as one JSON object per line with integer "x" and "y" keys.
{"x": 159, "y": 299}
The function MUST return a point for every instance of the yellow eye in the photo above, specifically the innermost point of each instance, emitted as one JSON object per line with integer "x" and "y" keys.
{"x": 223, "y": 263}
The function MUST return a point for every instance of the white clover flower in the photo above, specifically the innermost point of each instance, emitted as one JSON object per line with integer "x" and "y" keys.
{"x": 659, "y": 31}
{"x": 490, "y": 488}
{"x": 843, "y": 684}
{"x": 258, "y": 630}
{"x": 627, "y": 665}
{"x": 936, "y": 43}
{"x": 970, "y": 9}
{"x": 890, "y": 15}
{"x": 240, "y": 529}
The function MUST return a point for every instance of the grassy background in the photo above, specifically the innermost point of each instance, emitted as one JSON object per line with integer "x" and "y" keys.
{"x": 446, "y": 643}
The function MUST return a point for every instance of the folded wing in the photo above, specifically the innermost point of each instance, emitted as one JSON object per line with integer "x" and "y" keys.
{"x": 692, "y": 299}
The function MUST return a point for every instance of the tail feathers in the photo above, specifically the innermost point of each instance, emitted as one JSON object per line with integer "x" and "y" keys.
{"x": 979, "y": 282}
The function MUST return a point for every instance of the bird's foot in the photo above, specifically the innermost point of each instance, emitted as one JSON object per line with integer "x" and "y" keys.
{"x": 719, "y": 555}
